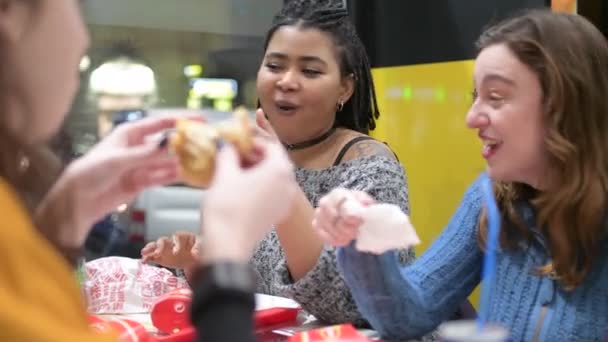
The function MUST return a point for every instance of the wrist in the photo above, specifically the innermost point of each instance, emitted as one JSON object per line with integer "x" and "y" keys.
{"x": 219, "y": 243}
{"x": 217, "y": 281}
{"x": 300, "y": 205}
{"x": 225, "y": 249}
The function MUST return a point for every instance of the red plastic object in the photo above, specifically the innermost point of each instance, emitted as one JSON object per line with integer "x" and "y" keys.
{"x": 275, "y": 316}
{"x": 336, "y": 333}
{"x": 127, "y": 330}
{"x": 95, "y": 319}
{"x": 185, "y": 335}
{"x": 171, "y": 313}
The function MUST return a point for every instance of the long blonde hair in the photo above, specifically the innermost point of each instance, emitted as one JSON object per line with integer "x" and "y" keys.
{"x": 570, "y": 58}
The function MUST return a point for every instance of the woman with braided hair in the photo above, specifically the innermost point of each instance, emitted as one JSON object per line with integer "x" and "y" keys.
{"x": 317, "y": 98}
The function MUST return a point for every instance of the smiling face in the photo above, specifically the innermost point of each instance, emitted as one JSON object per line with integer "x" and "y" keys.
{"x": 299, "y": 83}
{"x": 508, "y": 113}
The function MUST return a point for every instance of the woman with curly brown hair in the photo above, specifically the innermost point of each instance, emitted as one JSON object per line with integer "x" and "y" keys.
{"x": 541, "y": 111}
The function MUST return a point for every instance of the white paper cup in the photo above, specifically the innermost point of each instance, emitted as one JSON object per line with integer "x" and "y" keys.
{"x": 467, "y": 331}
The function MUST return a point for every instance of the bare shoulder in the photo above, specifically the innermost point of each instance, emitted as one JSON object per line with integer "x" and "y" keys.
{"x": 368, "y": 148}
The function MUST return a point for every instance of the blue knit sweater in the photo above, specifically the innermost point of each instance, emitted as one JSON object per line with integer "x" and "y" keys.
{"x": 408, "y": 302}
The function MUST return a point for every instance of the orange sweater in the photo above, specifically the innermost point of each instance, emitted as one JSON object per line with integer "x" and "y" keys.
{"x": 39, "y": 296}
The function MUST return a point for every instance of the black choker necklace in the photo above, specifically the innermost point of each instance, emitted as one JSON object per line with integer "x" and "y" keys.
{"x": 311, "y": 142}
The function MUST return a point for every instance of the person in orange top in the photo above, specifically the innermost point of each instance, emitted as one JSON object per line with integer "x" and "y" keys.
{"x": 42, "y": 230}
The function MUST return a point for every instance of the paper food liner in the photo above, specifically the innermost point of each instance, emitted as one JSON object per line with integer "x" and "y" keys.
{"x": 118, "y": 285}
{"x": 264, "y": 302}
{"x": 385, "y": 227}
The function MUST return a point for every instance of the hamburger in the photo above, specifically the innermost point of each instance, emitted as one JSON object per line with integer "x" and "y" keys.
{"x": 196, "y": 144}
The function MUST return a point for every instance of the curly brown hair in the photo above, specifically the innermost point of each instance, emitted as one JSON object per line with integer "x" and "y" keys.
{"x": 570, "y": 58}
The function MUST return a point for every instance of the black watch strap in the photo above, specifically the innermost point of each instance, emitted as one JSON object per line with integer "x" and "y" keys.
{"x": 221, "y": 279}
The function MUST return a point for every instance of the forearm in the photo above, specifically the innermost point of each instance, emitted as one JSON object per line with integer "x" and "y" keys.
{"x": 55, "y": 218}
{"x": 393, "y": 305}
{"x": 409, "y": 302}
{"x": 222, "y": 308}
{"x": 301, "y": 245}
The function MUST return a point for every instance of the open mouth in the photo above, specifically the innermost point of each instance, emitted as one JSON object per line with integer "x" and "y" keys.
{"x": 286, "y": 107}
{"x": 489, "y": 148}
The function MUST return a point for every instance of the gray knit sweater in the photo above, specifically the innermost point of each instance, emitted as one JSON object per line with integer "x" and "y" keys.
{"x": 323, "y": 292}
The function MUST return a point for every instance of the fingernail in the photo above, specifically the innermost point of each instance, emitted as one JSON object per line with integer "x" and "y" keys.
{"x": 165, "y": 139}
{"x": 164, "y": 142}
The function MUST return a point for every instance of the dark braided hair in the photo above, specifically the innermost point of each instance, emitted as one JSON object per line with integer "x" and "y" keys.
{"x": 361, "y": 110}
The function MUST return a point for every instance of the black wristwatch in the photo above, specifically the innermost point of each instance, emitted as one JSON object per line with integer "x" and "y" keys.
{"x": 223, "y": 279}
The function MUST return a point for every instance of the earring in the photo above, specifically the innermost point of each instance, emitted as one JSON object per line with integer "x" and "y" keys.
{"x": 340, "y": 106}
{"x": 23, "y": 162}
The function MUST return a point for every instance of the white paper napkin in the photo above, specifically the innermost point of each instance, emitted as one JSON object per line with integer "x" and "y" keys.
{"x": 385, "y": 227}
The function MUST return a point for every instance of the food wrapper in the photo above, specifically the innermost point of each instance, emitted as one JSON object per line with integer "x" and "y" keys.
{"x": 385, "y": 227}
{"x": 118, "y": 285}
